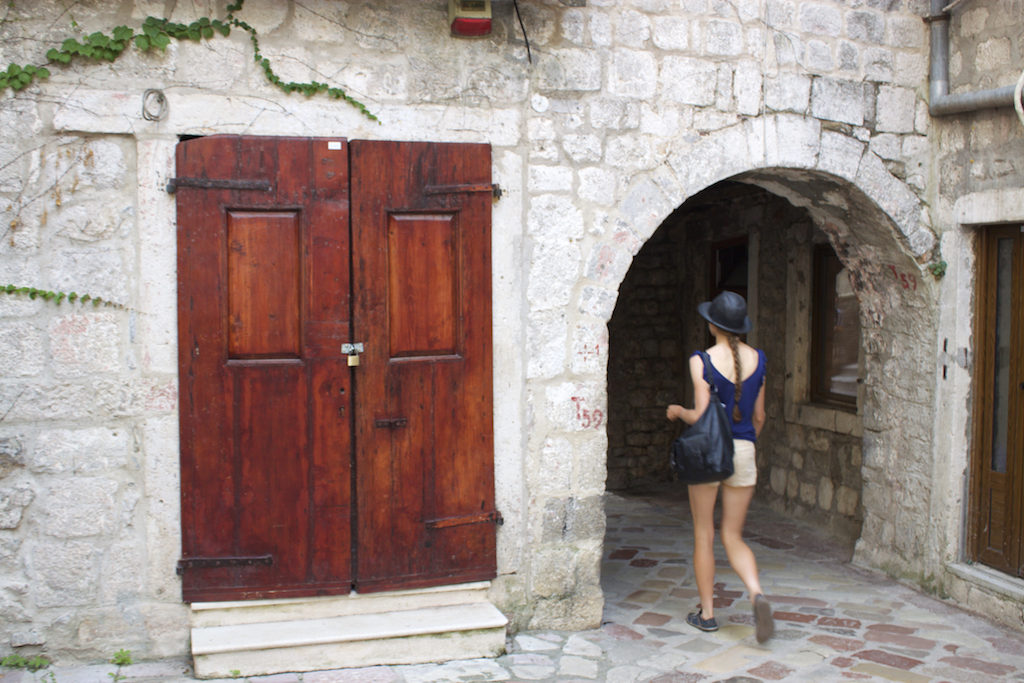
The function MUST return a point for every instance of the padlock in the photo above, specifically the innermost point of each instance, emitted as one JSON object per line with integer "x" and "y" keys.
{"x": 353, "y": 359}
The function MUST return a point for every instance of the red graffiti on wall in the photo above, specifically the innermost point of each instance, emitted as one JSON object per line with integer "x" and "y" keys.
{"x": 585, "y": 417}
{"x": 905, "y": 280}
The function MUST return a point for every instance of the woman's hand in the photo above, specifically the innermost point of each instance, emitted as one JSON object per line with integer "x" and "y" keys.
{"x": 675, "y": 412}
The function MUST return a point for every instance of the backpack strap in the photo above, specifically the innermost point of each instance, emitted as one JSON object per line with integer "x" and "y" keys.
{"x": 707, "y": 372}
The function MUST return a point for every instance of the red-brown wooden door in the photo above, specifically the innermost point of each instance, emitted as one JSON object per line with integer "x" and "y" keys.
{"x": 421, "y": 247}
{"x": 273, "y": 502}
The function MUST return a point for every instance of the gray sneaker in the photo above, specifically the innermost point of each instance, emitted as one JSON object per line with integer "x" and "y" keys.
{"x": 764, "y": 623}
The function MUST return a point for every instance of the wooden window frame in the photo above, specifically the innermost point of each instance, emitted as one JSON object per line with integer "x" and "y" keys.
{"x": 825, "y": 266}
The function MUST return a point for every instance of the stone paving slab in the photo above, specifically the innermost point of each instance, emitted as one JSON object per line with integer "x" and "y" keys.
{"x": 834, "y": 621}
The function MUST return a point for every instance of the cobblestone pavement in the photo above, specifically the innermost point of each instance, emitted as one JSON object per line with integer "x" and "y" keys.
{"x": 834, "y": 621}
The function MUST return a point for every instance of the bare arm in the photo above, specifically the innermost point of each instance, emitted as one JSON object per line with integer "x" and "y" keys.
{"x": 701, "y": 396}
{"x": 758, "y": 418}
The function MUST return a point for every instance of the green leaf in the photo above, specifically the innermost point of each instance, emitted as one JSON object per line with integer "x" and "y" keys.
{"x": 53, "y": 54}
{"x": 207, "y": 32}
{"x": 98, "y": 39}
{"x": 13, "y": 70}
{"x": 69, "y": 45}
{"x": 142, "y": 42}
{"x": 123, "y": 33}
{"x": 64, "y": 58}
{"x": 162, "y": 40}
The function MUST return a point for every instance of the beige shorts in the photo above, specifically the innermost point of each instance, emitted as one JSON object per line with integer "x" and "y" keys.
{"x": 744, "y": 465}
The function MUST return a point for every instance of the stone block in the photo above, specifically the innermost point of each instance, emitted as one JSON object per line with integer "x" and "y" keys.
{"x": 838, "y": 100}
{"x": 688, "y": 81}
{"x": 98, "y": 111}
{"x": 846, "y": 501}
{"x": 840, "y": 154}
{"x": 614, "y": 114}
{"x": 818, "y": 57}
{"x": 793, "y": 140}
{"x": 64, "y": 573}
{"x": 895, "y": 110}
{"x": 598, "y": 185}
{"x": 747, "y": 88}
{"x": 788, "y": 92}
{"x": 80, "y": 451}
{"x": 554, "y": 474}
{"x": 589, "y": 350}
{"x": 554, "y": 571}
{"x": 778, "y": 479}
{"x": 600, "y": 30}
{"x": 547, "y": 338}
{"x": 13, "y": 502}
{"x": 553, "y": 218}
{"x": 826, "y": 492}
{"x": 22, "y": 351}
{"x": 549, "y": 179}
{"x": 672, "y": 33}
{"x": 85, "y": 343}
{"x": 808, "y": 493}
{"x": 723, "y": 38}
{"x": 79, "y": 507}
{"x": 553, "y": 272}
{"x": 792, "y": 484}
{"x": 879, "y": 64}
{"x": 865, "y": 26}
{"x": 819, "y": 19}
{"x": 570, "y": 70}
{"x": 597, "y": 301}
{"x": 633, "y": 28}
{"x": 582, "y": 148}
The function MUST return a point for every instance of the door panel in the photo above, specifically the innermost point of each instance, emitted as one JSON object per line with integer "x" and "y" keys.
{"x": 265, "y": 441}
{"x": 998, "y": 517}
{"x": 301, "y": 475}
{"x": 421, "y": 259}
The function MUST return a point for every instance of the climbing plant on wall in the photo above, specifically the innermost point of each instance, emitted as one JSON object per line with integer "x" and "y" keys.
{"x": 157, "y": 33}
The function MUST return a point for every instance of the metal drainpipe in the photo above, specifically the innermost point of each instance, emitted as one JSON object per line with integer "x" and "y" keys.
{"x": 941, "y": 103}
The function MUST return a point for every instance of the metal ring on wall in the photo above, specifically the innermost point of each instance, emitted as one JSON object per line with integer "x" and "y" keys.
{"x": 154, "y": 105}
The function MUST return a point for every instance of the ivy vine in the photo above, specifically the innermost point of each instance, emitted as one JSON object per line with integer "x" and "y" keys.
{"x": 58, "y": 297}
{"x": 157, "y": 33}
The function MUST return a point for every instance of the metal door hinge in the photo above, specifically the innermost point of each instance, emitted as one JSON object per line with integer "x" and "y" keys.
{"x": 227, "y": 561}
{"x": 492, "y": 517}
{"x": 493, "y": 188}
{"x": 219, "y": 184}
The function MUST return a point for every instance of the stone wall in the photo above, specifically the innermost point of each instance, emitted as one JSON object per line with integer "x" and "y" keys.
{"x": 617, "y": 114}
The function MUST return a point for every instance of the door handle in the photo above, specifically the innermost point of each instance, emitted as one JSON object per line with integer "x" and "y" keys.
{"x": 391, "y": 422}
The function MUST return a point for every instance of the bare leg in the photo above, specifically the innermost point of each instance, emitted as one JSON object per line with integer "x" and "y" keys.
{"x": 735, "y": 501}
{"x": 702, "y": 508}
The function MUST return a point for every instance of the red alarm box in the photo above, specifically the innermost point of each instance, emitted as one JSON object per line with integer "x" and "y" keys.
{"x": 469, "y": 18}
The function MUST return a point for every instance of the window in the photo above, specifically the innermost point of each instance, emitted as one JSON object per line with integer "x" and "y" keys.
{"x": 835, "y": 332}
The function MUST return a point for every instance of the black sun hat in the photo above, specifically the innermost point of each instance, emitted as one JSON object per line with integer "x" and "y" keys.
{"x": 727, "y": 311}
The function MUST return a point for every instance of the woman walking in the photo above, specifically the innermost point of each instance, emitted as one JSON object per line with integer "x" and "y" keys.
{"x": 738, "y": 371}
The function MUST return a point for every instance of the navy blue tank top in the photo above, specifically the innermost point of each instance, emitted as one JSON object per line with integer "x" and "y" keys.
{"x": 744, "y": 429}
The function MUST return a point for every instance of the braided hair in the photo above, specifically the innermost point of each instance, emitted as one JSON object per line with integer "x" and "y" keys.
{"x": 734, "y": 346}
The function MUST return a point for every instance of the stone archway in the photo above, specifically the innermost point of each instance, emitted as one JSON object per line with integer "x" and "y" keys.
{"x": 884, "y": 254}
{"x": 813, "y": 459}
{"x": 875, "y": 222}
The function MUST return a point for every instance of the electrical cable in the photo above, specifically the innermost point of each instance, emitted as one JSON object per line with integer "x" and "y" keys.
{"x": 519, "y": 16}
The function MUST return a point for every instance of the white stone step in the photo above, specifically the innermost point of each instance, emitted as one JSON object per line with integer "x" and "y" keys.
{"x": 287, "y": 609}
{"x": 415, "y": 636}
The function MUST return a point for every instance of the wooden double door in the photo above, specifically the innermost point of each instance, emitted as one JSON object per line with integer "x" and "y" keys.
{"x": 997, "y": 491}
{"x": 335, "y": 366}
